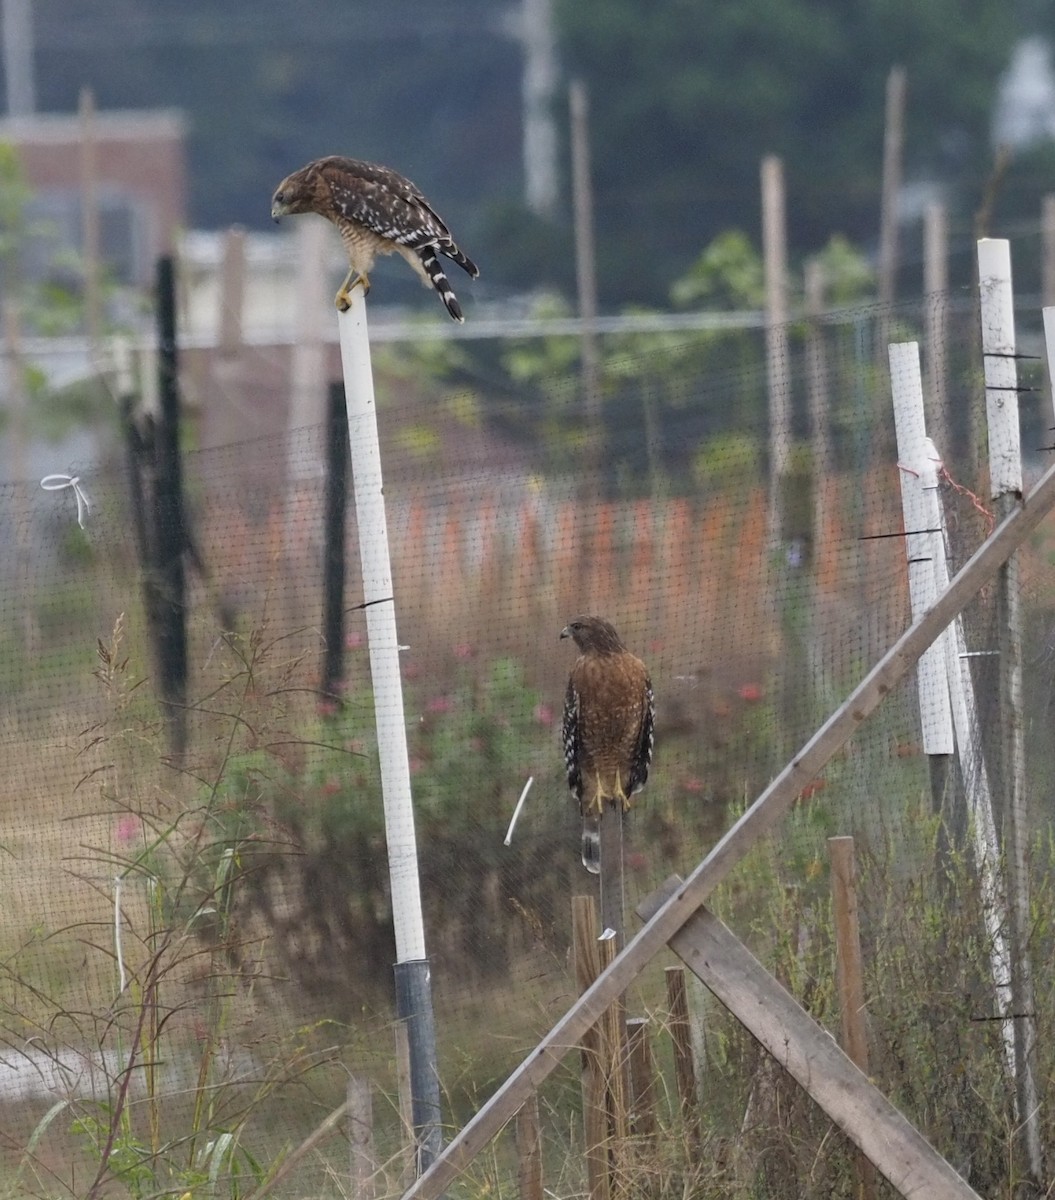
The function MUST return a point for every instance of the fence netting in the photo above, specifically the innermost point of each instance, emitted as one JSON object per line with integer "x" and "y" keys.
{"x": 197, "y": 946}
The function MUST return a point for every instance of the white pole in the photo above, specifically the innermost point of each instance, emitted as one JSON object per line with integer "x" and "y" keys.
{"x": 913, "y": 452}
{"x": 997, "y": 305}
{"x": 413, "y": 991}
{"x": 380, "y": 609}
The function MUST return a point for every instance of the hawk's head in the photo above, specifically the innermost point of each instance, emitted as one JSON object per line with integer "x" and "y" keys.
{"x": 593, "y": 634}
{"x": 295, "y": 194}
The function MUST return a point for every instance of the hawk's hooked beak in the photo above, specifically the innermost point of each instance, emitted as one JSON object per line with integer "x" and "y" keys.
{"x": 565, "y": 632}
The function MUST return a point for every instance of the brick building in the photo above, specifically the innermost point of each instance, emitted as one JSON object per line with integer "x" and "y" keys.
{"x": 140, "y": 182}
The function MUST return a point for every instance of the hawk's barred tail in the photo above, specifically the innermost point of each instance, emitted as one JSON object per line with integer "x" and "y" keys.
{"x": 591, "y": 844}
{"x": 463, "y": 261}
{"x": 434, "y": 271}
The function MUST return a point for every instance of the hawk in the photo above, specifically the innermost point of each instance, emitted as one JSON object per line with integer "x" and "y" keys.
{"x": 376, "y": 211}
{"x": 607, "y": 729}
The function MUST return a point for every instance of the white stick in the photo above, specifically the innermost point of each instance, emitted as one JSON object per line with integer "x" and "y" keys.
{"x": 516, "y": 811}
{"x": 914, "y": 450}
{"x": 381, "y": 631}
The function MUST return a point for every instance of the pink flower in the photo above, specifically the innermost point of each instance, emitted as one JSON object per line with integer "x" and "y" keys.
{"x": 750, "y": 692}
{"x": 543, "y": 714}
{"x": 692, "y": 784}
{"x": 331, "y": 786}
{"x": 354, "y": 641}
{"x": 417, "y": 765}
{"x": 439, "y": 704}
{"x": 326, "y": 707}
{"x": 128, "y": 828}
{"x": 463, "y": 651}
{"x": 411, "y": 670}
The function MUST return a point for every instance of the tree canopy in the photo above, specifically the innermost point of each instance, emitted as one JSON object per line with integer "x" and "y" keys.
{"x": 689, "y": 97}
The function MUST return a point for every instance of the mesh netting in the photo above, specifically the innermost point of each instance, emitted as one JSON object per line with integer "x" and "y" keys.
{"x": 214, "y": 928}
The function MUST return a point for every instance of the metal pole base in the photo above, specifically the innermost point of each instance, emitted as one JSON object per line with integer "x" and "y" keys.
{"x": 414, "y": 1006}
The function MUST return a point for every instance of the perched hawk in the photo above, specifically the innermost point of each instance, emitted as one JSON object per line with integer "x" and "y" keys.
{"x": 376, "y": 211}
{"x": 607, "y": 727}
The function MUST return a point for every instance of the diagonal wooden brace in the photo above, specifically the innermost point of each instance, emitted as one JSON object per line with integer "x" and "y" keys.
{"x": 810, "y": 1055}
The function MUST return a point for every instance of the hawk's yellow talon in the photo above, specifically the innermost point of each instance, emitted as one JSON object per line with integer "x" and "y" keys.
{"x": 343, "y": 300}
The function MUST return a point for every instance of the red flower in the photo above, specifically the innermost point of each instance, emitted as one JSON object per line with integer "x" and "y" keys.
{"x": 463, "y": 651}
{"x": 353, "y": 641}
{"x": 440, "y": 704}
{"x": 692, "y": 784}
{"x": 543, "y": 714}
{"x": 750, "y": 693}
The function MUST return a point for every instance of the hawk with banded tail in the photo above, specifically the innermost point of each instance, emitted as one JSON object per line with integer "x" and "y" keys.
{"x": 376, "y": 211}
{"x": 609, "y": 717}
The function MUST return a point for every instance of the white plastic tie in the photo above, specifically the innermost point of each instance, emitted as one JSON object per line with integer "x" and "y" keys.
{"x": 58, "y": 483}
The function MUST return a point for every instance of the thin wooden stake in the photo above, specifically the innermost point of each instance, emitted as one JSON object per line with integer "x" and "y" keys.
{"x": 232, "y": 291}
{"x": 936, "y": 322}
{"x": 587, "y": 956}
{"x": 91, "y": 242}
{"x": 586, "y": 275}
{"x": 363, "y": 1158}
{"x": 849, "y": 976}
{"x": 775, "y": 264}
{"x": 529, "y": 1151}
{"x": 406, "y": 1104}
{"x": 681, "y": 1036}
{"x": 643, "y": 1084}
{"x": 893, "y": 150}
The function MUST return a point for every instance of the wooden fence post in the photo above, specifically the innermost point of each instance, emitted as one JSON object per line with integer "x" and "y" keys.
{"x": 605, "y": 1070}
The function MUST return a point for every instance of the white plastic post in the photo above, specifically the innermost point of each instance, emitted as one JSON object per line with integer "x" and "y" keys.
{"x": 365, "y": 460}
{"x": 914, "y": 451}
{"x": 997, "y": 304}
{"x": 413, "y": 986}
